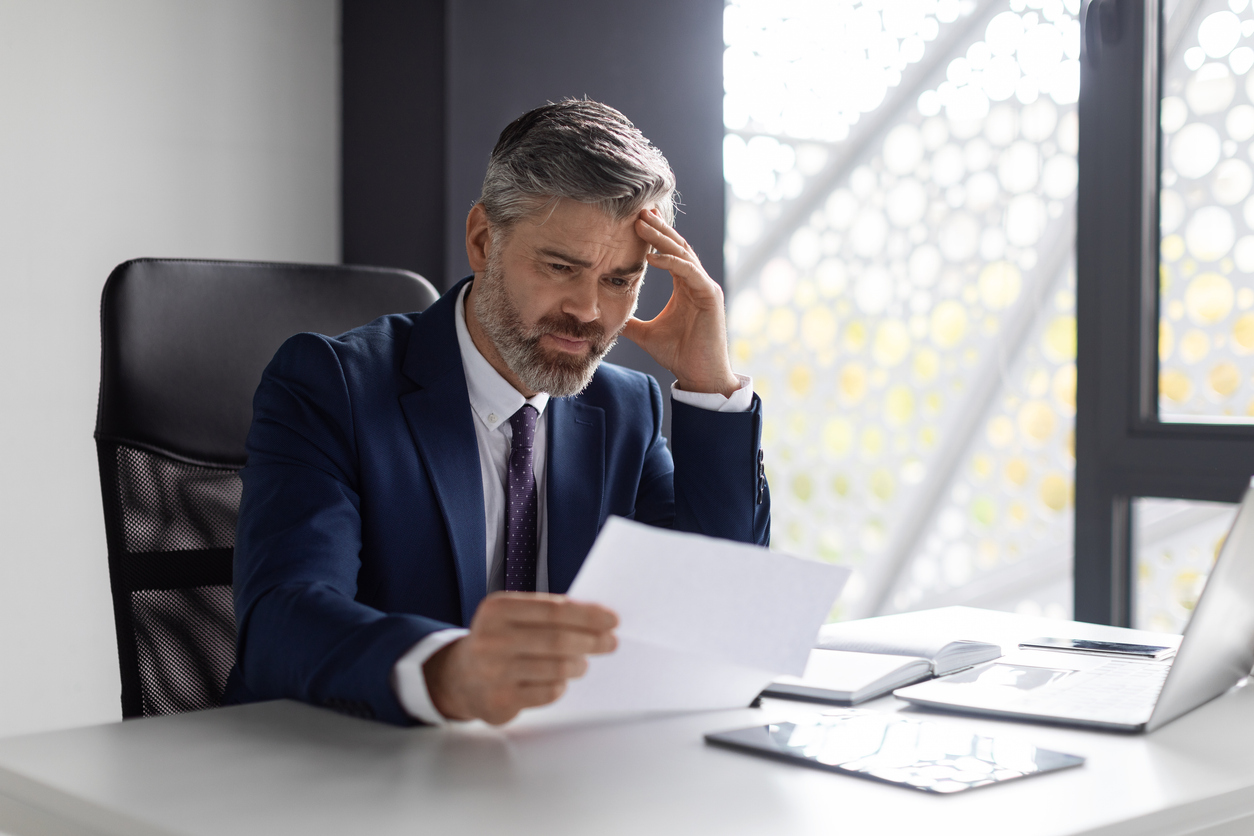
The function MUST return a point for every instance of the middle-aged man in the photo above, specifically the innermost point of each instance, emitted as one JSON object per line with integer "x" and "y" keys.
{"x": 420, "y": 490}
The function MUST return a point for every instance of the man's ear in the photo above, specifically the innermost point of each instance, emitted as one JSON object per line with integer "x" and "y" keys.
{"x": 478, "y": 238}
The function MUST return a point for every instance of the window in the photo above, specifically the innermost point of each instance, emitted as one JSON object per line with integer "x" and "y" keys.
{"x": 901, "y": 181}
{"x": 1175, "y": 542}
{"x": 1164, "y": 290}
{"x": 913, "y": 272}
{"x": 1206, "y": 215}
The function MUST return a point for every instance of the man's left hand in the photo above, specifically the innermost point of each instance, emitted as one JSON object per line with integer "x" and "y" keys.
{"x": 689, "y": 337}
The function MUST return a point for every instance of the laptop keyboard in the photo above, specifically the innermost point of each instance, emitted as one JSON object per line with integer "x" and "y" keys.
{"x": 1117, "y": 687}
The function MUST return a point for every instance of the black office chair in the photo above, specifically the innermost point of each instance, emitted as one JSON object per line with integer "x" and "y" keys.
{"x": 183, "y": 347}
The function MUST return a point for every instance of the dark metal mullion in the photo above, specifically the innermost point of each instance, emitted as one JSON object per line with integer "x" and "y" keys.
{"x": 1123, "y": 450}
{"x": 1220, "y": 459}
{"x": 1110, "y": 251}
{"x": 1201, "y": 431}
{"x": 1144, "y": 402}
{"x": 1177, "y": 484}
{"x": 1120, "y": 568}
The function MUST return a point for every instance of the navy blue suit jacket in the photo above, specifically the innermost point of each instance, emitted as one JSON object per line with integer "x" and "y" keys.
{"x": 361, "y": 528}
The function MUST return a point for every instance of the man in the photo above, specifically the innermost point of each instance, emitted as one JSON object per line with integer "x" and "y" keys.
{"x": 401, "y": 472}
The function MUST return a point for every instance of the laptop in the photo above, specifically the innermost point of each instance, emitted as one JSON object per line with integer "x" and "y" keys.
{"x": 1131, "y": 695}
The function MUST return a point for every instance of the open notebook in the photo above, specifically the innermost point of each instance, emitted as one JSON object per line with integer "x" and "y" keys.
{"x": 860, "y": 660}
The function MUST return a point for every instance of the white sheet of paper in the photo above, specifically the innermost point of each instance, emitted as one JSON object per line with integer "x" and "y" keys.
{"x": 704, "y": 623}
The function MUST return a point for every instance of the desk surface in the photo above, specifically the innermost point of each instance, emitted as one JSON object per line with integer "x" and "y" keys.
{"x": 285, "y": 768}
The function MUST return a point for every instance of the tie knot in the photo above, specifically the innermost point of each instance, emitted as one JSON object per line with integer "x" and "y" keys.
{"x": 523, "y": 424}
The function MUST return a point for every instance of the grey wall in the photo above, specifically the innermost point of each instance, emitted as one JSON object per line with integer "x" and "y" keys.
{"x": 392, "y": 138}
{"x": 197, "y": 128}
{"x": 660, "y": 62}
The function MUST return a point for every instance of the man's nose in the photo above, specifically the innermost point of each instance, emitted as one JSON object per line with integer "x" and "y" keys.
{"x": 581, "y": 301}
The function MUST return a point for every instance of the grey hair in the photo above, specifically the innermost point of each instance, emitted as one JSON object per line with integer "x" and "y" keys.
{"x": 577, "y": 149}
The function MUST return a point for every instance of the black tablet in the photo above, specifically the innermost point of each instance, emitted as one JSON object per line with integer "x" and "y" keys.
{"x": 919, "y": 754}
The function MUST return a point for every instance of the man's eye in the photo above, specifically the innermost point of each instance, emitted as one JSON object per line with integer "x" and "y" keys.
{"x": 560, "y": 268}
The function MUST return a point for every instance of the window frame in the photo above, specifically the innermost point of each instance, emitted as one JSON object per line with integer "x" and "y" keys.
{"x": 1123, "y": 449}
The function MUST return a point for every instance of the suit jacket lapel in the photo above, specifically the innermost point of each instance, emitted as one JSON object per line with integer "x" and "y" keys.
{"x": 576, "y": 485}
{"x": 441, "y": 423}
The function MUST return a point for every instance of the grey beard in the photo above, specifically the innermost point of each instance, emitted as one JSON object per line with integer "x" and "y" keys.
{"x": 561, "y": 376}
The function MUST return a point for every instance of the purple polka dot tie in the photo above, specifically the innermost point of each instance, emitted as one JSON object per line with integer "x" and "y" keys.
{"x": 520, "y": 508}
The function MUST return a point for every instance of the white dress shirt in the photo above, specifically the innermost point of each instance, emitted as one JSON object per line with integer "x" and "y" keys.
{"x": 493, "y": 400}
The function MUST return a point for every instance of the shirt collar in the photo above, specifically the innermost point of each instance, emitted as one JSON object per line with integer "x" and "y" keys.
{"x": 492, "y": 398}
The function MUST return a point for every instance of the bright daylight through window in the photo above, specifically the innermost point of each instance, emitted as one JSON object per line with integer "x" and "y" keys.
{"x": 1206, "y": 289}
{"x": 1206, "y": 324}
{"x": 901, "y": 183}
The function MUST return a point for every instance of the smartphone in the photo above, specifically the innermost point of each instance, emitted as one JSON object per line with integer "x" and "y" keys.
{"x": 1100, "y": 648}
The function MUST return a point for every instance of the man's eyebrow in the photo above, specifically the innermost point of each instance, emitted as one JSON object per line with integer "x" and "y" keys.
{"x": 628, "y": 270}
{"x": 636, "y": 269}
{"x": 548, "y": 252}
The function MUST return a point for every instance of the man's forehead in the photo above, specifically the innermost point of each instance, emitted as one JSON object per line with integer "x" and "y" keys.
{"x": 568, "y": 213}
{"x": 580, "y": 231}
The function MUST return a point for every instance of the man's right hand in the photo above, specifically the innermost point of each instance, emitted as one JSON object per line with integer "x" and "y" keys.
{"x": 521, "y": 650}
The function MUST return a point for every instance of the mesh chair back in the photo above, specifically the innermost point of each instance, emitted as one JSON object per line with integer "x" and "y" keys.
{"x": 183, "y": 347}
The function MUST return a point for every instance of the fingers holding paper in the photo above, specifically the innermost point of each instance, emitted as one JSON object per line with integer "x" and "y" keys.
{"x": 521, "y": 651}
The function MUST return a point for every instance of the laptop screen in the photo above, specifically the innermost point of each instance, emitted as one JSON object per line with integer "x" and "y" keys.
{"x": 1218, "y": 646}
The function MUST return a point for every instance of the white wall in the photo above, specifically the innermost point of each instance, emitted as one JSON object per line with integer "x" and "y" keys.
{"x": 181, "y": 128}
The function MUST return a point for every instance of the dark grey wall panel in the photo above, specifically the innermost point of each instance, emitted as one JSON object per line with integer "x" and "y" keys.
{"x": 392, "y": 140}
{"x": 658, "y": 61}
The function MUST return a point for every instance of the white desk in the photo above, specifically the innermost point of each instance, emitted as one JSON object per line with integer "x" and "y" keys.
{"x": 285, "y": 768}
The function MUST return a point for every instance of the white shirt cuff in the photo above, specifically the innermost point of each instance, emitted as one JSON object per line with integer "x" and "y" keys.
{"x": 740, "y": 401}
{"x": 410, "y": 685}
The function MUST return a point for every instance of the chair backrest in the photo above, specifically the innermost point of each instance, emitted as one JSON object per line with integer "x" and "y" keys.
{"x": 184, "y": 344}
